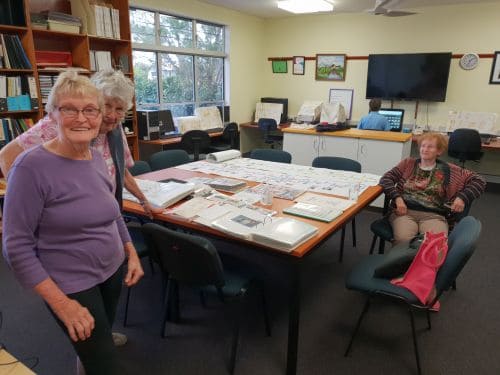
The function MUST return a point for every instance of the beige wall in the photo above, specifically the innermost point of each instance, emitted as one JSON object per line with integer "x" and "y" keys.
{"x": 246, "y": 49}
{"x": 456, "y": 29}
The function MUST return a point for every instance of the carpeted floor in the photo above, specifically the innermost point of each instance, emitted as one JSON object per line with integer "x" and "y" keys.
{"x": 464, "y": 338}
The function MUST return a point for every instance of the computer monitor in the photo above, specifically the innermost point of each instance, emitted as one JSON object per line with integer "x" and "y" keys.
{"x": 284, "y": 101}
{"x": 394, "y": 116}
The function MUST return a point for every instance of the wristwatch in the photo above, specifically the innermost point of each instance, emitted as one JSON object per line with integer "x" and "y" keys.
{"x": 469, "y": 61}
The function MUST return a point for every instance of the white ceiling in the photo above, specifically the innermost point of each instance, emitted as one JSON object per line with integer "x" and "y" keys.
{"x": 268, "y": 8}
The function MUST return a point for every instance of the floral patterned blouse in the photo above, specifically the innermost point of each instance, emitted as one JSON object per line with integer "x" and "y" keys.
{"x": 46, "y": 129}
{"x": 424, "y": 189}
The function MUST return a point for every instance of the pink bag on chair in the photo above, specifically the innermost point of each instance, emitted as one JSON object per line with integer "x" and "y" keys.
{"x": 421, "y": 275}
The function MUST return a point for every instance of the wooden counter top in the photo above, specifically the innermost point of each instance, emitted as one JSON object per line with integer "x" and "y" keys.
{"x": 356, "y": 133}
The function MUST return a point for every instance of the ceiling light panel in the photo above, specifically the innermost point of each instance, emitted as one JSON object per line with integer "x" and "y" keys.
{"x": 305, "y": 6}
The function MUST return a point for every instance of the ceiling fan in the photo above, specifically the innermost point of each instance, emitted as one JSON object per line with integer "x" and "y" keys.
{"x": 380, "y": 9}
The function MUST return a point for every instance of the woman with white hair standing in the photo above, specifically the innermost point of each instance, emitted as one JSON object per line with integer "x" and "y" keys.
{"x": 118, "y": 92}
{"x": 63, "y": 232}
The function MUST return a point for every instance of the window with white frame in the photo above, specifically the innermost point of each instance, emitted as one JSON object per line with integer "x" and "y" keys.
{"x": 178, "y": 62}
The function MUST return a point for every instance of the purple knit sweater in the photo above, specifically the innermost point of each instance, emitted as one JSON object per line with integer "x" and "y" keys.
{"x": 62, "y": 220}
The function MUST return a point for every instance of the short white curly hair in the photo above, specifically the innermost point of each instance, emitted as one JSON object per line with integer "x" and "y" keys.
{"x": 70, "y": 84}
{"x": 113, "y": 84}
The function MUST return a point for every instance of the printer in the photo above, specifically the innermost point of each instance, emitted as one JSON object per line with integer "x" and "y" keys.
{"x": 309, "y": 111}
{"x": 154, "y": 124}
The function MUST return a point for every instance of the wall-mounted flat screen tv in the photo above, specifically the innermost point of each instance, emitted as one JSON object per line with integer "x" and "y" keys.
{"x": 409, "y": 76}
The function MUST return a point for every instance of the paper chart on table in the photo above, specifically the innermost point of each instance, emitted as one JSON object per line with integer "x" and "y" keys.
{"x": 319, "y": 180}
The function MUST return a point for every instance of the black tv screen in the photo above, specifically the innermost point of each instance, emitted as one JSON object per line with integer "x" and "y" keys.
{"x": 410, "y": 76}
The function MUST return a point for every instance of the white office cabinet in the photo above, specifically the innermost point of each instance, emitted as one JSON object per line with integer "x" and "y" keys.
{"x": 378, "y": 156}
{"x": 339, "y": 146}
{"x": 303, "y": 147}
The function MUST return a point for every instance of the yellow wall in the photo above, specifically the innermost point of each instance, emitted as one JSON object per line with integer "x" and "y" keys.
{"x": 246, "y": 54}
{"x": 456, "y": 29}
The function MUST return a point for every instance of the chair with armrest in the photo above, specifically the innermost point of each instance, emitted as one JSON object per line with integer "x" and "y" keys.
{"x": 382, "y": 228}
{"x": 167, "y": 159}
{"x": 461, "y": 245}
{"x": 267, "y": 126}
{"x": 340, "y": 164}
{"x": 270, "y": 154}
{"x": 139, "y": 167}
{"x": 193, "y": 261}
{"x": 196, "y": 143}
{"x": 465, "y": 144}
{"x": 230, "y": 139}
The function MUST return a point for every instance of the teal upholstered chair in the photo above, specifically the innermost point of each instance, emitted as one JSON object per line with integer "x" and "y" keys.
{"x": 167, "y": 159}
{"x": 461, "y": 245}
{"x": 135, "y": 231}
{"x": 139, "y": 167}
{"x": 271, "y": 155}
{"x": 340, "y": 164}
{"x": 193, "y": 261}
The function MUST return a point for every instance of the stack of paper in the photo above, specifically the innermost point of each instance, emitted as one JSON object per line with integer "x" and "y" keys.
{"x": 279, "y": 233}
{"x": 227, "y": 184}
{"x": 161, "y": 194}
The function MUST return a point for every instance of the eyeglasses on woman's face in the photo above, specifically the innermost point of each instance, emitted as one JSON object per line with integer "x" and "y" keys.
{"x": 90, "y": 113}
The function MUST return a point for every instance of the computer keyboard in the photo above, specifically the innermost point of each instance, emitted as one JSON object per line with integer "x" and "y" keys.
{"x": 214, "y": 130}
{"x": 171, "y": 135}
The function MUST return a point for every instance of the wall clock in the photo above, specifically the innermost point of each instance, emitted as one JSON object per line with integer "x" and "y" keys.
{"x": 469, "y": 61}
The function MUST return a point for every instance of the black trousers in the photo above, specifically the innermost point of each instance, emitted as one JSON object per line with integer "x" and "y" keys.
{"x": 98, "y": 353}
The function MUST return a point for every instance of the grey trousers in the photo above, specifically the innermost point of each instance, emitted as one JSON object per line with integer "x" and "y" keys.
{"x": 407, "y": 226}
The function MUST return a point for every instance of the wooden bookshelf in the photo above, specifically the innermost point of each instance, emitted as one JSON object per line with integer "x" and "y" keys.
{"x": 79, "y": 45}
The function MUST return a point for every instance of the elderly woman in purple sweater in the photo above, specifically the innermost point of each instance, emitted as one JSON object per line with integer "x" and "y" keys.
{"x": 63, "y": 233}
{"x": 427, "y": 193}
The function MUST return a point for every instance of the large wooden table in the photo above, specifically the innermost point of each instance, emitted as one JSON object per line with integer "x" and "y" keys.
{"x": 293, "y": 260}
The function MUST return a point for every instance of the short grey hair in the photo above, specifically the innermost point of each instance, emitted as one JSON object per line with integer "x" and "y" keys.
{"x": 70, "y": 84}
{"x": 114, "y": 84}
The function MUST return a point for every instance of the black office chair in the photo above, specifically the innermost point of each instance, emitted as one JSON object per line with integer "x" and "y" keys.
{"x": 196, "y": 143}
{"x": 139, "y": 167}
{"x": 340, "y": 164}
{"x": 167, "y": 159}
{"x": 268, "y": 154}
{"x": 194, "y": 261}
{"x": 230, "y": 139}
{"x": 465, "y": 144}
{"x": 266, "y": 127}
{"x": 461, "y": 245}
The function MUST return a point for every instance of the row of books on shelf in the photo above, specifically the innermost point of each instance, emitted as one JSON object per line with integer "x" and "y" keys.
{"x": 18, "y": 93}
{"x": 97, "y": 19}
{"x": 100, "y": 60}
{"x": 12, "y": 54}
{"x": 56, "y": 21}
{"x": 12, "y": 127}
{"x": 12, "y": 13}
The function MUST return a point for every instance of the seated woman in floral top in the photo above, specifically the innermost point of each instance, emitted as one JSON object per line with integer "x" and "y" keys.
{"x": 427, "y": 194}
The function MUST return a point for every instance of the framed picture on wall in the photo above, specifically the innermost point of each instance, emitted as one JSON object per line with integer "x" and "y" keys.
{"x": 280, "y": 66}
{"x": 330, "y": 67}
{"x": 298, "y": 65}
{"x": 495, "y": 69}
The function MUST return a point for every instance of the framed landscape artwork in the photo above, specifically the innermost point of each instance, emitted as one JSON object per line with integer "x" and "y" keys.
{"x": 330, "y": 67}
